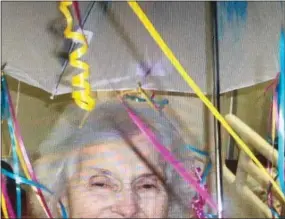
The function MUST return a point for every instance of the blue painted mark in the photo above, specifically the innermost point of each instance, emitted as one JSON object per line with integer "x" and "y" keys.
{"x": 232, "y": 14}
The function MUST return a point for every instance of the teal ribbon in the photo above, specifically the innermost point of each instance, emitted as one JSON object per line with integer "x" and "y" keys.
{"x": 32, "y": 183}
{"x": 4, "y": 104}
{"x": 196, "y": 150}
{"x": 161, "y": 103}
{"x": 269, "y": 140}
{"x": 209, "y": 165}
{"x": 281, "y": 103}
{"x": 274, "y": 213}
{"x": 211, "y": 216}
{"x": 206, "y": 170}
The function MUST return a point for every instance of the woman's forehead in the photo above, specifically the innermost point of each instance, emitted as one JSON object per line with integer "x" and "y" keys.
{"x": 121, "y": 147}
{"x": 122, "y": 158}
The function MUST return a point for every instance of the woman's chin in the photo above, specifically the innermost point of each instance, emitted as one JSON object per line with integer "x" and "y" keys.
{"x": 111, "y": 215}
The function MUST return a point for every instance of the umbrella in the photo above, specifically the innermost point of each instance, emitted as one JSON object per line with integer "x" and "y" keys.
{"x": 117, "y": 50}
{"x": 120, "y": 46}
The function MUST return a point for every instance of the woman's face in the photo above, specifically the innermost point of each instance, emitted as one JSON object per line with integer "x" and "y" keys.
{"x": 114, "y": 182}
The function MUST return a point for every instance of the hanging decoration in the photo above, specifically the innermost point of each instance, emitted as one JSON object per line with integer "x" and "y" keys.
{"x": 19, "y": 153}
{"x": 281, "y": 113}
{"x": 198, "y": 203}
{"x": 82, "y": 97}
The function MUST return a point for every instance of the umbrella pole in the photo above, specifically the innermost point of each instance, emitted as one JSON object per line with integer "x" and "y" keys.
{"x": 216, "y": 98}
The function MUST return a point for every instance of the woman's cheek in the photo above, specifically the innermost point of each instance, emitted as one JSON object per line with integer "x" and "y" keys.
{"x": 154, "y": 205}
{"x": 90, "y": 206}
{"x": 87, "y": 202}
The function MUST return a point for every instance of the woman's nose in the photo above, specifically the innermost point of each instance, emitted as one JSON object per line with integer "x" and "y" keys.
{"x": 126, "y": 205}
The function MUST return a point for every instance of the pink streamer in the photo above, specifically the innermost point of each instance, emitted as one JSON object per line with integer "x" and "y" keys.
{"x": 275, "y": 108}
{"x": 170, "y": 158}
{"x": 7, "y": 199}
{"x": 198, "y": 202}
{"x": 25, "y": 156}
{"x": 272, "y": 84}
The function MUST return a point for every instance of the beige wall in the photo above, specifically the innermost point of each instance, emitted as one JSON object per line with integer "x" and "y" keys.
{"x": 37, "y": 112}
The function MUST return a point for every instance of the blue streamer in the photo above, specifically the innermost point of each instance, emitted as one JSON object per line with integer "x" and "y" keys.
{"x": 161, "y": 103}
{"x": 274, "y": 213}
{"x": 32, "y": 183}
{"x": 16, "y": 165}
{"x": 4, "y": 105}
{"x": 281, "y": 100}
{"x": 232, "y": 12}
{"x": 211, "y": 216}
{"x": 209, "y": 165}
{"x": 194, "y": 149}
{"x": 206, "y": 172}
{"x": 269, "y": 140}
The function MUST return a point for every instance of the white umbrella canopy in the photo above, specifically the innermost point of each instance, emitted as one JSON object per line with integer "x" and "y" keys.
{"x": 249, "y": 49}
{"x": 120, "y": 44}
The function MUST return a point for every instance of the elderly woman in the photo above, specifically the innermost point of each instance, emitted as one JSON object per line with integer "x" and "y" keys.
{"x": 109, "y": 169}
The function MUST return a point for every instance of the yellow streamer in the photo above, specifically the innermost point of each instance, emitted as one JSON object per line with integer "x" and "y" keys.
{"x": 140, "y": 91}
{"x": 81, "y": 97}
{"x": 4, "y": 206}
{"x": 169, "y": 54}
{"x": 146, "y": 97}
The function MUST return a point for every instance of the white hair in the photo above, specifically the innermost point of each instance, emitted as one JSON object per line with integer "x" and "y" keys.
{"x": 109, "y": 121}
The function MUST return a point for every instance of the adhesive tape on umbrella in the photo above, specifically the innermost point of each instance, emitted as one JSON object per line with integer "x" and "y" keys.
{"x": 88, "y": 34}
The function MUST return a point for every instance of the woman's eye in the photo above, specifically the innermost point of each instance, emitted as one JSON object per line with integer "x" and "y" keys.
{"x": 147, "y": 186}
{"x": 100, "y": 182}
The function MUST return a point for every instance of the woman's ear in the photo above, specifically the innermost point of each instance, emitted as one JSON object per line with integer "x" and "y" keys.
{"x": 65, "y": 175}
{"x": 65, "y": 201}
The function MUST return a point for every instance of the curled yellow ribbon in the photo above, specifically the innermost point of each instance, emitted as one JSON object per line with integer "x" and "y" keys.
{"x": 81, "y": 97}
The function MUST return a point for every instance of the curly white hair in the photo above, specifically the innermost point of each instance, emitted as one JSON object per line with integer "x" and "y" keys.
{"x": 106, "y": 123}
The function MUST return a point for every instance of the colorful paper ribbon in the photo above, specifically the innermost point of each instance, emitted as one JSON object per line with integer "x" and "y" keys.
{"x": 82, "y": 97}
{"x": 161, "y": 103}
{"x": 270, "y": 200}
{"x": 181, "y": 70}
{"x": 281, "y": 113}
{"x": 148, "y": 100}
{"x": 272, "y": 141}
{"x": 6, "y": 203}
{"x": 16, "y": 165}
{"x": 17, "y": 142}
{"x": 23, "y": 158}
{"x": 34, "y": 184}
{"x": 3, "y": 206}
{"x": 198, "y": 202}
